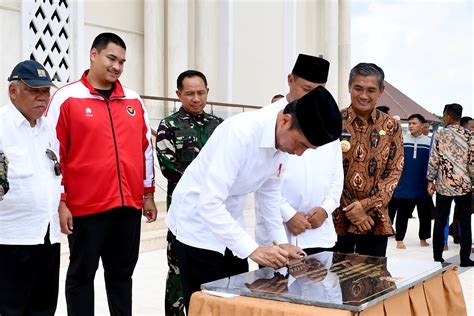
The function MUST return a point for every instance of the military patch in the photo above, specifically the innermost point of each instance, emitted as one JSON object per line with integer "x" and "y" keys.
{"x": 89, "y": 112}
{"x": 131, "y": 110}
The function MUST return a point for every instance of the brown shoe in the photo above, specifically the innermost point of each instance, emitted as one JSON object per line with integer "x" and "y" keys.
{"x": 446, "y": 248}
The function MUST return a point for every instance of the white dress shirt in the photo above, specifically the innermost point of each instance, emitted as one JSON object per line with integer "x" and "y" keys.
{"x": 32, "y": 202}
{"x": 207, "y": 205}
{"x": 314, "y": 179}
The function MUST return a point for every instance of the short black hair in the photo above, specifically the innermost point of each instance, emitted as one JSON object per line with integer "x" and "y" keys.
{"x": 189, "y": 74}
{"x": 454, "y": 110}
{"x": 418, "y": 116}
{"x": 103, "y": 39}
{"x": 465, "y": 120}
{"x": 383, "y": 108}
{"x": 290, "y": 108}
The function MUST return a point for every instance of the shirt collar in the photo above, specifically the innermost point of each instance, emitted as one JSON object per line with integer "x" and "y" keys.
{"x": 183, "y": 113}
{"x": 19, "y": 119}
{"x": 353, "y": 115}
{"x": 268, "y": 136}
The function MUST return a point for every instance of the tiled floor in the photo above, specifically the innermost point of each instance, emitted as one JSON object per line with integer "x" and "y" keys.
{"x": 150, "y": 275}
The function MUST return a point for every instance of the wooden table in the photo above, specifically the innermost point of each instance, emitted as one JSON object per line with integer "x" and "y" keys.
{"x": 440, "y": 295}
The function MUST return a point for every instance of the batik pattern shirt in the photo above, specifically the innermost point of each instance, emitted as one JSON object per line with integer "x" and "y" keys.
{"x": 372, "y": 168}
{"x": 451, "y": 162}
{"x": 180, "y": 138}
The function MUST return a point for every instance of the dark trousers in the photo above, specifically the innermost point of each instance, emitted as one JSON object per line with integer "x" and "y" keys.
{"x": 114, "y": 236}
{"x": 405, "y": 210}
{"x": 198, "y": 266}
{"x": 364, "y": 244}
{"x": 29, "y": 279}
{"x": 443, "y": 206}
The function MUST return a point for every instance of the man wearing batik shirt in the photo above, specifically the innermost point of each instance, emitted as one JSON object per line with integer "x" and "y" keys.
{"x": 373, "y": 161}
{"x": 451, "y": 174}
{"x": 180, "y": 138}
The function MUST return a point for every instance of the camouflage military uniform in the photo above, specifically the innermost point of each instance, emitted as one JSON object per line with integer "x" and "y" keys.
{"x": 3, "y": 175}
{"x": 179, "y": 139}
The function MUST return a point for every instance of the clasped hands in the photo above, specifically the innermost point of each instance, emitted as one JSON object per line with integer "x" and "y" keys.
{"x": 276, "y": 256}
{"x": 301, "y": 221}
{"x": 358, "y": 217}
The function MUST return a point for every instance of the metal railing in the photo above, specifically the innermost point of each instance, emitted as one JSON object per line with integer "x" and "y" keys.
{"x": 176, "y": 104}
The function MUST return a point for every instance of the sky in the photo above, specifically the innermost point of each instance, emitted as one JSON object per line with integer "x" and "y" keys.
{"x": 424, "y": 47}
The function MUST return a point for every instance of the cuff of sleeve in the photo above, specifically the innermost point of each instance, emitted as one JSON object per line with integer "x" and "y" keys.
{"x": 244, "y": 247}
{"x": 64, "y": 197}
{"x": 149, "y": 190}
{"x": 280, "y": 236}
{"x": 365, "y": 205}
{"x": 329, "y": 206}
{"x": 287, "y": 212}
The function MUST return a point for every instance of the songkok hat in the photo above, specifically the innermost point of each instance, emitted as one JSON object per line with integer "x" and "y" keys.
{"x": 311, "y": 68}
{"x": 319, "y": 116}
{"x": 32, "y": 73}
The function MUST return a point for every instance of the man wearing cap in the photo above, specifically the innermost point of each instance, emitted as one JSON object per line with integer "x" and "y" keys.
{"x": 373, "y": 161}
{"x": 244, "y": 154}
{"x": 108, "y": 177}
{"x": 29, "y": 222}
{"x": 312, "y": 183}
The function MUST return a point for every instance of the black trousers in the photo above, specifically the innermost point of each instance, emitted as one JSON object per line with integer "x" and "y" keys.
{"x": 364, "y": 244}
{"x": 198, "y": 266}
{"x": 114, "y": 236}
{"x": 405, "y": 210}
{"x": 29, "y": 279}
{"x": 443, "y": 207}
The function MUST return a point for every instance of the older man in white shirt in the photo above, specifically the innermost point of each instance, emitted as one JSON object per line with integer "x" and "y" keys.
{"x": 29, "y": 222}
{"x": 312, "y": 183}
{"x": 246, "y": 153}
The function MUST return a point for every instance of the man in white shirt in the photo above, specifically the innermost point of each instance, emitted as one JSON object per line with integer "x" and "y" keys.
{"x": 312, "y": 183}
{"x": 244, "y": 154}
{"x": 29, "y": 222}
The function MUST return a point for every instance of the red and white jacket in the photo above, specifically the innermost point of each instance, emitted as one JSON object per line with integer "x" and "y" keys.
{"x": 106, "y": 151}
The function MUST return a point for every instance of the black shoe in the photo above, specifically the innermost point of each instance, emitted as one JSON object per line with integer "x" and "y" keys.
{"x": 456, "y": 240}
{"x": 469, "y": 263}
{"x": 439, "y": 260}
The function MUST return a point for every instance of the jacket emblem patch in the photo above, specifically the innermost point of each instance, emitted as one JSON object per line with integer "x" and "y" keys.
{"x": 89, "y": 112}
{"x": 131, "y": 110}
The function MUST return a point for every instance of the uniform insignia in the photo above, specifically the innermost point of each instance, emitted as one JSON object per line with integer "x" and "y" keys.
{"x": 131, "y": 110}
{"x": 41, "y": 73}
{"x": 345, "y": 146}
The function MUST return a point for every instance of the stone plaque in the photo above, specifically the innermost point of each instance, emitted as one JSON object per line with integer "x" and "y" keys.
{"x": 334, "y": 280}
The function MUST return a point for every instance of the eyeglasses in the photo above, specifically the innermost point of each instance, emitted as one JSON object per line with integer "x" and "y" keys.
{"x": 51, "y": 155}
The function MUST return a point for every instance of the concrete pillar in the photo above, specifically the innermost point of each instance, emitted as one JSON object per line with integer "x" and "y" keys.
{"x": 344, "y": 52}
{"x": 331, "y": 42}
{"x": 177, "y": 48}
{"x": 154, "y": 57}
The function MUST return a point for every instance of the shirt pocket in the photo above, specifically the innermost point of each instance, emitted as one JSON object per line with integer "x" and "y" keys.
{"x": 20, "y": 164}
{"x": 187, "y": 146}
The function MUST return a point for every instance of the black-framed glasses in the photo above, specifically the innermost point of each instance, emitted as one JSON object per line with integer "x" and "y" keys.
{"x": 52, "y": 156}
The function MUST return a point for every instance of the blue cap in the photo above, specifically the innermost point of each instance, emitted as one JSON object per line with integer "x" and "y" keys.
{"x": 32, "y": 73}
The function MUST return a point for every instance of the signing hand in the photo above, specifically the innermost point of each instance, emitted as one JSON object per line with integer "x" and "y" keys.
{"x": 298, "y": 223}
{"x": 316, "y": 217}
{"x": 294, "y": 252}
{"x": 274, "y": 256}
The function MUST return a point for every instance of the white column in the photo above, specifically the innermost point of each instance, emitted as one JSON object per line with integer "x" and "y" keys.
{"x": 331, "y": 17}
{"x": 177, "y": 44}
{"x": 344, "y": 52}
{"x": 154, "y": 58}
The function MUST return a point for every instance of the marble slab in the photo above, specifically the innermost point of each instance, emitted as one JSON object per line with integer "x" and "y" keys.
{"x": 344, "y": 281}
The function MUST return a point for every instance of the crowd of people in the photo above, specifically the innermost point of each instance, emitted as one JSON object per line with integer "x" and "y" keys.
{"x": 80, "y": 162}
